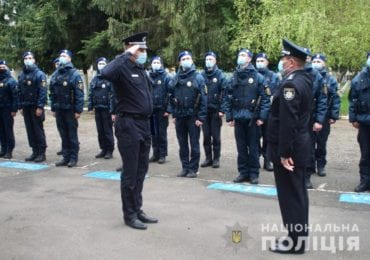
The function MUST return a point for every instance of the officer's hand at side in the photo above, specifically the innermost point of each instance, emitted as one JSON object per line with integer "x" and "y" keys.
{"x": 14, "y": 114}
{"x": 38, "y": 112}
{"x": 77, "y": 115}
{"x": 356, "y": 125}
{"x": 21, "y": 111}
{"x": 287, "y": 163}
{"x": 174, "y": 121}
{"x": 220, "y": 114}
{"x": 332, "y": 121}
{"x": 232, "y": 123}
{"x": 198, "y": 123}
{"x": 113, "y": 118}
{"x": 166, "y": 114}
{"x": 317, "y": 127}
{"x": 259, "y": 122}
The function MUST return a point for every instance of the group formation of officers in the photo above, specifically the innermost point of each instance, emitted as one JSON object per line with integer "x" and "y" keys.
{"x": 196, "y": 100}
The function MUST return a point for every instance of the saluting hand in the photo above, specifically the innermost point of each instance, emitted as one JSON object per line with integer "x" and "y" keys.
{"x": 287, "y": 163}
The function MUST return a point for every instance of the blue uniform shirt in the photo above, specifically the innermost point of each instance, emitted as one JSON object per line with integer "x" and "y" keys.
{"x": 160, "y": 81}
{"x": 216, "y": 84}
{"x": 8, "y": 91}
{"x": 101, "y": 94}
{"x": 359, "y": 98}
{"x": 331, "y": 84}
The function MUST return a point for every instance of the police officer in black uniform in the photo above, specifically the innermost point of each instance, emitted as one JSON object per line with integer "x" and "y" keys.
{"x": 132, "y": 127}
{"x": 359, "y": 116}
{"x": 67, "y": 100}
{"x": 32, "y": 99}
{"x": 188, "y": 104}
{"x": 8, "y": 110}
{"x": 247, "y": 105}
{"x": 160, "y": 80}
{"x": 287, "y": 136}
{"x": 216, "y": 84}
{"x": 271, "y": 80}
{"x": 101, "y": 100}
{"x": 318, "y": 113}
{"x": 332, "y": 115}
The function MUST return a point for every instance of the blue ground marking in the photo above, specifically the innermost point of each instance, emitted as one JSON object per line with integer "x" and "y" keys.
{"x": 24, "y": 166}
{"x": 355, "y": 198}
{"x": 268, "y": 191}
{"x": 116, "y": 176}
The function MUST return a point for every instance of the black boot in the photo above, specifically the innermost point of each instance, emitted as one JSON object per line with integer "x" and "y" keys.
{"x": 308, "y": 181}
{"x": 207, "y": 162}
{"x": 101, "y": 154}
{"x": 108, "y": 155}
{"x": 321, "y": 172}
{"x": 8, "y": 155}
{"x": 362, "y": 187}
{"x": 2, "y": 153}
{"x": 153, "y": 158}
{"x": 267, "y": 165}
{"x": 32, "y": 157}
{"x": 162, "y": 160}
{"x": 40, "y": 157}
{"x": 216, "y": 163}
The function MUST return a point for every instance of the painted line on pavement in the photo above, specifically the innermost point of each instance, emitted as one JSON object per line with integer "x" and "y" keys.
{"x": 355, "y": 198}
{"x": 116, "y": 176}
{"x": 24, "y": 166}
{"x": 243, "y": 188}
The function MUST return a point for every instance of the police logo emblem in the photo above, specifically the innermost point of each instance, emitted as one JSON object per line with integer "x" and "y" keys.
{"x": 250, "y": 80}
{"x": 80, "y": 85}
{"x": 65, "y": 83}
{"x": 103, "y": 86}
{"x": 214, "y": 80}
{"x": 291, "y": 76}
{"x": 159, "y": 82}
{"x": 188, "y": 84}
{"x": 43, "y": 83}
{"x": 236, "y": 236}
{"x": 29, "y": 82}
{"x": 289, "y": 93}
{"x": 325, "y": 89}
{"x": 1, "y": 85}
{"x": 268, "y": 91}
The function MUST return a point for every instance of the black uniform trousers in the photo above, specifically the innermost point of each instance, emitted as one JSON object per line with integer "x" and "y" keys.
{"x": 363, "y": 139}
{"x": 321, "y": 140}
{"x": 212, "y": 135}
{"x": 133, "y": 137}
{"x": 311, "y": 166}
{"x": 6, "y": 130}
{"x": 159, "y": 138}
{"x": 263, "y": 147}
{"x": 104, "y": 126}
{"x": 292, "y": 196}
{"x": 247, "y": 143}
{"x": 185, "y": 130}
{"x": 35, "y": 129}
{"x": 67, "y": 126}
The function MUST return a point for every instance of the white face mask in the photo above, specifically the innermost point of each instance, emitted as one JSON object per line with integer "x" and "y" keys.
{"x": 156, "y": 66}
{"x": 28, "y": 62}
{"x": 101, "y": 66}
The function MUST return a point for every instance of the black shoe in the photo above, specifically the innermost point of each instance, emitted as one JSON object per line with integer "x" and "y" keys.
{"x": 40, "y": 158}
{"x": 101, "y": 154}
{"x": 191, "y": 174}
{"x": 216, "y": 163}
{"x": 241, "y": 178}
{"x": 308, "y": 183}
{"x": 108, "y": 155}
{"x": 60, "y": 152}
{"x": 145, "y": 218}
{"x": 162, "y": 160}
{"x": 284, "y": 248}
{"x": 63, "y": 162}
{"x": 268, "y": 166}
{"x": 321, "y": 172}
{"x": 254, "y": 180}
{"x": 31, "y": 158}
{"x": 72, "y": 163}
{"x": 2, "y": 153}
{"x": 206, "y": 163}
{"x": 183, "y": 173}
{"x": 153, "y": 158}
{"x": 119, "y": 169}
{"x": 8, "y": 155}
{"x": 135, "y": 223}
{"x": 362, "y": 187}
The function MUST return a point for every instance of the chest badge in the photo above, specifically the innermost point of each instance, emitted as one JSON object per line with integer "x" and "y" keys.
{"x": 65, "y": 83}
{"x": 1, "y": 85}
{"x": 214, "y": 80}
{"x": 188, "y": 84}
{"x": 159, "y": 82}
{"x": 29, "y": 82}
{"x": 250, "y": 80}
{"x": 103, "y": 85}
{"x": 289, "y": 93}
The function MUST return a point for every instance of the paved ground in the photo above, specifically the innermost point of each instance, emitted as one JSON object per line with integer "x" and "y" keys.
{"x": 57, "y": 213}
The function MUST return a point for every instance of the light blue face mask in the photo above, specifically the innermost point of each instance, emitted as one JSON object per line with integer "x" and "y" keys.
{"x": 317, "y": 66}
{"x": 242, "y": 60}
{"x": 63, "y": 60}
{"x": 141, "y": 58}
{"x": 280, "y": 66}
{"x": 368, "y": 62}
{"x": 186, "y": 64}
{"x": 260, "y": 65}
{"x": 28, "y": 63}
{"x": 156, "y": 66}
{"x": 210, "y": 64}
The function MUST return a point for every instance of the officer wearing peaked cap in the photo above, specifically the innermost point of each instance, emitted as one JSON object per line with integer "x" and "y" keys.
{"x": 132, "y": 127}
{"x": 32, "y": 99}
{"x": 287, "y": 136}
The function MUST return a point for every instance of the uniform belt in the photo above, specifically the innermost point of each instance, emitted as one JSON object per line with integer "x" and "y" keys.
{"x": 134, "y": 116}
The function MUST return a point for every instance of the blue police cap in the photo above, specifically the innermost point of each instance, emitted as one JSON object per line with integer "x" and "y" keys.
{"x": 182, "y": 54}
{"x": 2, "y": 62}
{"x": 291, "y": 49}
{"x": 137, "y": 39}
{"x": 27, "y": 53}
{"x": 69, "y": 53}
{"x": 262, "y": 55}
{"x": 157, "y": 58}
{"x": 210, "y": 53}
{"x": 319, "y": 56}
{"x": 250, "y": 54}
{"x": 101, "y": 59}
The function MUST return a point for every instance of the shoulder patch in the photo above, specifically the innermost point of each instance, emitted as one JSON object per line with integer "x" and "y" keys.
{"x": 81, "y": 85}
{"x": 289, "y": 94}
{"x": 43, "y": 83}
{"x": 291, "y": 76}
